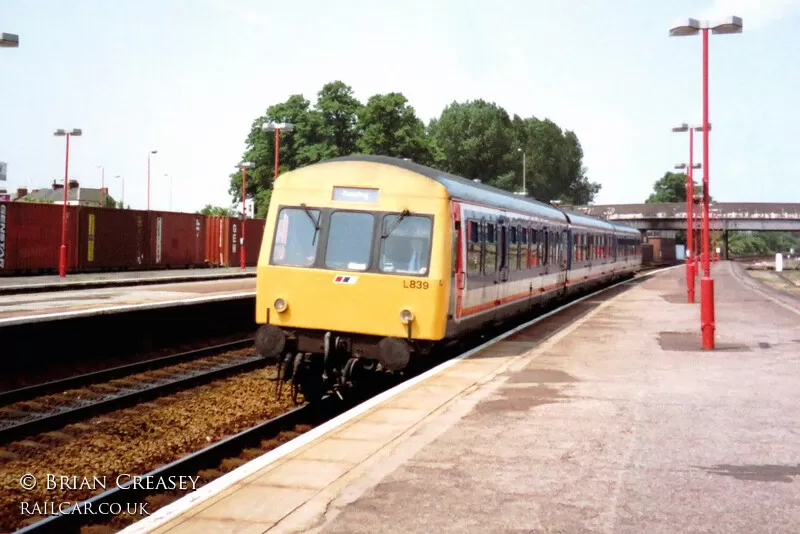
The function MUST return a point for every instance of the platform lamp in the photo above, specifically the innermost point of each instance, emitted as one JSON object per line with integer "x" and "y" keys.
{"x": 62, "y": 257}
{"x": 277, "y": 127}
{"x": 244, "y": 165}
{"x": 693, "y": 27}
{"x": 122, "y": 198}
{"x": 102, "y": 184}
{"x": 151, "y": 152}
{"x": 690, "y": 272}
{"x": 9, "y": 40}
{"x": 523, "y": 192}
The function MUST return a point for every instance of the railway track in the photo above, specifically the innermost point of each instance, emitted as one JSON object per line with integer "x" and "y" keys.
{"x": 25, "y": 412}
{"x": 549, "y": 321}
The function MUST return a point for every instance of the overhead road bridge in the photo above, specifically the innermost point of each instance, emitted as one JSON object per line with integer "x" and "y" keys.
{"x": 724, "y": 216}
{"x": 756, "y": 216}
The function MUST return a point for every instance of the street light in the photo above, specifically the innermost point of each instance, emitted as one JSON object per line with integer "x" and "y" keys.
{"x": 102, "y": 184}
{"x": 690, "y": 263}
{"x": 170, "y": 189}
{"x": 244, "y": 165}
{"x": 523, "y": 170}
{"x": 693, "y": 27}
{"x": 62, "y": 257}
{"x": 148, "y": 177}
{"x": 9, "y": 40}
{"x": 122, "y": 198}
{"x": 277, "y": 127}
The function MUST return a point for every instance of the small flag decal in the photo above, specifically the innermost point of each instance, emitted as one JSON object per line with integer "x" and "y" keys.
{"x": 345, "y": 279}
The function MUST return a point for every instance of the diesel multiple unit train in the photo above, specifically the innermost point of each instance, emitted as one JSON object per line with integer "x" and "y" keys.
{"x": 368, "y": 262}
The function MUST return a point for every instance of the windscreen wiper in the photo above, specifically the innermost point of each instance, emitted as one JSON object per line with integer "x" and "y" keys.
{"x": 313, "y": 221}
{"x": 396, "y": 223}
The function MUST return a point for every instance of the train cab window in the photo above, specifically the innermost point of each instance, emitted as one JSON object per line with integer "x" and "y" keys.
{"x": 349, "y": 240}
{"x": 473, "y": 248}
{"x": 296, "y": 237}
{"x": 406, "y": 245}
{"x": 490, "y": 247}
{"x": 513, "y": 249}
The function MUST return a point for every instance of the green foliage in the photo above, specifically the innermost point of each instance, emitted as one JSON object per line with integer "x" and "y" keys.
{"x": 672, "y": 188}
{"x": 390, "y": 127}
{"x": 474, "y": 139}
{"x": 217, "y": 210}
{"x": 753, "y": 243}
{"x": 109, "y": 202}
{"x": 669, "y": 188}
{"x": 38, "y": 200}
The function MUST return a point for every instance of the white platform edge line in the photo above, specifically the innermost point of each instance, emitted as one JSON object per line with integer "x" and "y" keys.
{"x": 169, "y": 512}
{"x": 127, "y": 282}
{"x": 26, "y": 319}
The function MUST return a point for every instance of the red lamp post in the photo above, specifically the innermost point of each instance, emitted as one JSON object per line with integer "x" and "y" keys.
{"x": 693, "y": 27}
{"x": 244, "y": 165}
{"x": 62, "y": 257}
{"x": 148, "y": 177}
{"x": 690, "y": 272}
{"x": 277, "y": 127}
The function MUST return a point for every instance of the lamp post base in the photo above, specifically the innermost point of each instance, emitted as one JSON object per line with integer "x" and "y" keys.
{"x": 707, "y": 312}
{"x": 62, "y": 261}
{"x": 690, "y": 282}
{"x": 242, "y": 257}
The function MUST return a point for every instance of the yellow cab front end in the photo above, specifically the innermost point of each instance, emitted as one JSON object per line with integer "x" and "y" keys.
{"x": 355, "y": 259}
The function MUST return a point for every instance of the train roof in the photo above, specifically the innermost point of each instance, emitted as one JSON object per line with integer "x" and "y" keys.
{"x": 579, "y": 219}
{"x": 465, "y": 189}
{"x": 625, "y": 229}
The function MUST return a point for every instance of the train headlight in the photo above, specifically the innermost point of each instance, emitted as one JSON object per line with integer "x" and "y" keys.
{"x": 280, "y": 305}
{"x": 406, "y": 316}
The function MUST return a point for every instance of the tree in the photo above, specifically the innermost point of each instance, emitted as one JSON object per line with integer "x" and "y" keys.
{"x": 475, "y": 139}
{"x": 390, "y": 127}
{"x": 672, "y": 188}
{"x": 669, "y": 188}
{"x": 217, "y": 210}
{"x": 339, "y": 110}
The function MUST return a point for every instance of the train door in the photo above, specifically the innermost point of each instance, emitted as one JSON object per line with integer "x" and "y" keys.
{"x": 546, "y": 250}
{"x": 503, "y": 253}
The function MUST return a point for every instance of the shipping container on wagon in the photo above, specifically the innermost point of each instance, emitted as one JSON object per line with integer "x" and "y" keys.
{"x": 111, "y": 239}
{"x": 176, "y": 239}
{"x": 222, "y": 245}
{"x": 30, "y": 237}
{"x": 254, "y": 233}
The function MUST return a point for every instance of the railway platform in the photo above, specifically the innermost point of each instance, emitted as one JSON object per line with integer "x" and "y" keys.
{"x": 14, "y": 285}
{"x": 41, "y": 307}
{"x": 616, "y": 422}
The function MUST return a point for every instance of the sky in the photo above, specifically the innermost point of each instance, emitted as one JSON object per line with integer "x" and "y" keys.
{"x": 187, "y": 78}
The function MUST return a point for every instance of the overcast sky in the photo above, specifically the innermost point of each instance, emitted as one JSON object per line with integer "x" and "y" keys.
{"x": 187, "y": 77}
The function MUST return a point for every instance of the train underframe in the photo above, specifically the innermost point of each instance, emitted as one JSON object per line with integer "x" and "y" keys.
{"x": 317, "y": 362}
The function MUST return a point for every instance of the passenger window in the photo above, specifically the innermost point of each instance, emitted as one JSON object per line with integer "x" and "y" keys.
{"x": 473, "y": 248}
{"x": 406, "y": 247}
{"x": 296, "y": 237}
{"x": 513, "y": 249}
{"x": 349, "y": 241}
{"x": 490, "y": 257}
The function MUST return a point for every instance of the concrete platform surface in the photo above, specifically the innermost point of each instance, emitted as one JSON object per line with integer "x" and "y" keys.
{"x": 618, "y": 423}
{"x": 19, "y": 309}
{"x": 31, "y": 284}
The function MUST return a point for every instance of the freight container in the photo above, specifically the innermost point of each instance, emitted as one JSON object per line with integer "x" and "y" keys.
{"x": 254, "y": 233}
{"x": 112, "y": 239}
{"x": 221, "y": 241}
{"x": 663, "y": 249}
{"x": 30, "y": 237}
{"x": 176, "y": 239}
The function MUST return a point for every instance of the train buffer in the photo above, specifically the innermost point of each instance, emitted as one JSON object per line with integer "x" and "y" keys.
{"x": 618, "y": 421}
